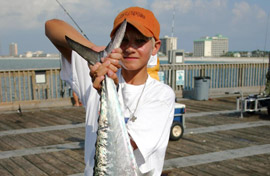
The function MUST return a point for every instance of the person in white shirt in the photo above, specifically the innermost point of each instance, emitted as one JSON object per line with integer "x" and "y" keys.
{"x": 147, "y": 104}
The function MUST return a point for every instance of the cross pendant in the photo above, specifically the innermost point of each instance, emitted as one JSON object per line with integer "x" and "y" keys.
{"x": 133, "y": 118}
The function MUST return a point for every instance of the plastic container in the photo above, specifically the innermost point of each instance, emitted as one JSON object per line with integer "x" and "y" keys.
{"x": 201, "y": 88}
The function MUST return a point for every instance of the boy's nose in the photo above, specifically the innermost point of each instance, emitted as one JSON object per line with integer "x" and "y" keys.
{"x": 129, "y": 50}
{"x": 132, "y": 45}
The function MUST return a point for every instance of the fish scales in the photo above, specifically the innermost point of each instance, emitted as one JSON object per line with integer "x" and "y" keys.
{"x": 114, "y": 155}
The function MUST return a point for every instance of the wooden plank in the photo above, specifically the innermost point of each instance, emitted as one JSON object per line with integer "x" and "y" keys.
{"x": 54, "y": 161}
{"x": 249, "y": 167}
{"x": 28, "y": 167}
{"x": 4, "y": 146}
{"x": 75, "y": 115}
{"x": 15, "y": 86}
{"x": 195, "y": 171}
{"x": 228, "y": 167}
{"x": 236, "y": 168}
{"x": 14, "y": 143}
{"x": 176, "y": 172}
{"x": 254, "y": 165}
{"x": 175, "y": 150}
{"x": 34, "y": 139}
{"x": 34, "y": 85}
{"x": 48, "y": 84}
{"x": 216, "y": 156}
{"x": 51, "y": 82}
{"x": 30, "y": 86}
{"x": 190, "y": 147}
{"x": 226, "y": 127}
{"x": 56, "y": 82}
{"x": 56, "y": 118}
{"x": 261, "y": 160}
{"x": 10, "y": 87}
{"x": 13, "y": 168}
{"x": 217, "y": 168}
{"x": 5, "y": 84}
{"x": 74, "y": 164}
{"x": 24, "y": 86}
{"x": 43, "y": 165}
{"x": 4, "y": 172}
{"x": 19, "y": 86}
{"x": 13, "y": 122}
{"x": 223, "y": 142}
{"x": 200, "y": 143}
{"x": 245, "y": 137}
{"x": 262, "y": 131}
{"x": 44, "y": 129}
{"x": 76, "y": 154}
{"x": 42, "y": 149}
{"x": 211, "y": 170}
{"x": 4, "y": 127}
{"x": 39, "y": 118}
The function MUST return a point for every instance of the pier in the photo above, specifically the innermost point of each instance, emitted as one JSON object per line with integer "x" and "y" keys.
{"x": 41, "y": 133}
{"x": 50, "y": 141}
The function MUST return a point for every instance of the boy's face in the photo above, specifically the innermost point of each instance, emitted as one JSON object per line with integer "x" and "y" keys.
{"x": 137, "y": 49}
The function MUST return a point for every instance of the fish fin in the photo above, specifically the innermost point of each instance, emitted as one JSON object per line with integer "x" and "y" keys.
{"x": 117, "y": 38}
{"x": 88, "y": 54}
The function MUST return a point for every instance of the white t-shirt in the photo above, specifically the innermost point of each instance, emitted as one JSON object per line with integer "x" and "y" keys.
{"x": 154, "y": 113}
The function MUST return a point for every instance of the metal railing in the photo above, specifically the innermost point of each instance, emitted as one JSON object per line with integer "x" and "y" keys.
{"x": 28, "y": 85}
{"x": 240, "y": 76}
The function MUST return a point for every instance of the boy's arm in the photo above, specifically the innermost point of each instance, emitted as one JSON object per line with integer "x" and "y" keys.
{"x": 56, "y": 30}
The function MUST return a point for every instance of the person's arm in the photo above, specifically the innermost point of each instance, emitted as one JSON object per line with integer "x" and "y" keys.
{"x": 56, "y": 30}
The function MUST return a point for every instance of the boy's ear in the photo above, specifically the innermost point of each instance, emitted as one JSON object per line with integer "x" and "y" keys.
{"x": 156, "y": 47}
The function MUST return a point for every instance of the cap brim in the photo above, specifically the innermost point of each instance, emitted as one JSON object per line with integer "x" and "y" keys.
{"x": 137, "y": 25}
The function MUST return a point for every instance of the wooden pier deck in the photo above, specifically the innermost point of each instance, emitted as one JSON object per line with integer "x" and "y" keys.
{"x": 216, "y": 142}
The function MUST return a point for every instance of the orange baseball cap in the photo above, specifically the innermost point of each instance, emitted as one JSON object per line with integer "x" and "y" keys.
{"x": 142, "y": 19}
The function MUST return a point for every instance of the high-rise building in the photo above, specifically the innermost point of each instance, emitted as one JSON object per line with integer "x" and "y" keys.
{"x": 211, "y": 46}
{"x": 167, "y": 44}
{"x": 13, "y": 49}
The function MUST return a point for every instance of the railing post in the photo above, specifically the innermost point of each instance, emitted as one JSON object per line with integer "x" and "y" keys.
{"x": 34, "y": 85}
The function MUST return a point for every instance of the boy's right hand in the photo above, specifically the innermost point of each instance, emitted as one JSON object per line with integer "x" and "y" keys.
{"x": 109, "y": 66}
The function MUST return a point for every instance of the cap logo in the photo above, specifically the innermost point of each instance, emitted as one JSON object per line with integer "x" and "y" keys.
{"x": 133, "y": 13}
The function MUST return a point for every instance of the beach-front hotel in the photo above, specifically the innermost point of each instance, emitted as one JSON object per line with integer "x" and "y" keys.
{"x": 211, "y": 46}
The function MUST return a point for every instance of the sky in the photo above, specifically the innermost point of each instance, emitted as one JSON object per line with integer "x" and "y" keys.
{"x": 245, "y": 22}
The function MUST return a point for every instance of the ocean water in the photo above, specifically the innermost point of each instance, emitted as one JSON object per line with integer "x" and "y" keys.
{"x": 26, "y": 63}
{"x": 12, "y": 63}
{"x": 47, "y": 63}
{"x": 197, "y": 62}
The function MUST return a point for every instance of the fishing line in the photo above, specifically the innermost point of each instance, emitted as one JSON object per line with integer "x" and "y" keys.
{"x": 72, "y": 19}
{"x": 62, "y": 89}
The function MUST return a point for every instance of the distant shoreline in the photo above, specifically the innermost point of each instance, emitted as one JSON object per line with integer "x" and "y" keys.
{"x": 227, "y": 59}
{"x": 222, "y": 59}
{"x": 28, "y": 58}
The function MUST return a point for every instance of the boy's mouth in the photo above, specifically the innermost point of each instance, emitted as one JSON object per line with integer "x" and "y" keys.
{"x": 130, "y": 58}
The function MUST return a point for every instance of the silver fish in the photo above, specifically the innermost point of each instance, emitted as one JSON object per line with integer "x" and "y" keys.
{"x": 114, "y": 154}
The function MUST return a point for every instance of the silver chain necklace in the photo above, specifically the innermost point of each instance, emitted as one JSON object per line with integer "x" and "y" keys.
{"x": 133, "y": 117}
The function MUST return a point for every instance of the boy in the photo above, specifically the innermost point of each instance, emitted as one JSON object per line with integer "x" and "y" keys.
{"x": 147, "y": 104}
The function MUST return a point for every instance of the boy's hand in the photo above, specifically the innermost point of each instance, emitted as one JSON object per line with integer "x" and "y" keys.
{"x": 109, "y": 66}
